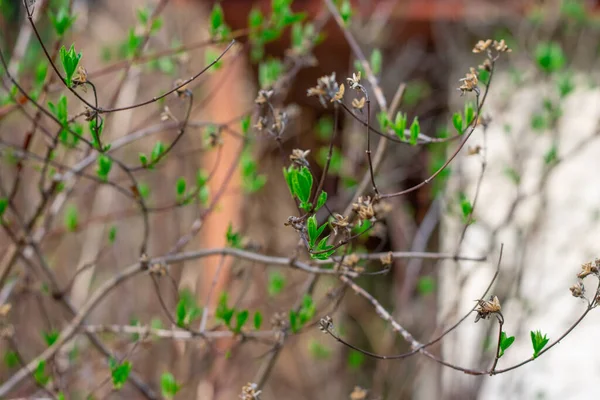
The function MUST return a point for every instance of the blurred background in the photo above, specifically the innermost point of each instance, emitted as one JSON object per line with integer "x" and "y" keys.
{"x": 529, "y": 178}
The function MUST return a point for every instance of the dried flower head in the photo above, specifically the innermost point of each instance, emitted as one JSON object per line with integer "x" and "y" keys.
{"x": 482, "y": 45}
{"x": 340, "y": 223}
{"x": 577, "y": 290}
{"x": 327, "y": 89}
{"x": 359, "y": 104}
{"x": 501, "y": 46}
{"x": 473, "y": 150}
{"x": 339, "y": 95}
{"x": 469, "y": 82}
{"x": 487, "y": 307}
{"x": 263, "y": 96}
{"x": 354, "y": 82}
{"x": 278, "y": 320}
{"x": 298, "y": 156}
{"x": 588, "y": 269}
{"x": 387, "y": 259}
{"x": 181, "y": 90}
{"x": 80, "y": 76}
{"x": 281, "y": 120}
{"x": 487, "y": 65}
{"x": 358, "y": 393}
{"x": 260, "y": 124}
{"x": 364, "y": 208}
{"x": 4, "y": 309}
{"x": 325, "y": 324}
{"x": 250, "y": 392}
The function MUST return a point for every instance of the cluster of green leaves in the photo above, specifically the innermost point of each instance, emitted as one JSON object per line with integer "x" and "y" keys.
{"x": 399, "y": 126}
{"x": 550, "y": 57}
{"x": 96, "y": 128}
{"x": 466, "y": 208}
{"x": 345, "y": 9}
{"x": 187, "y": 310}
{"x": 233, "y": 239}
{"x": 61, "y": 20}
{"x": 252, "y": 181}
{"x": 227, "y": 314}
{"x": 269, "y": 71}
{"x": 70, "y": 133}
{"x": 71, "y": 218}
{"x": 319, "y": 250}
{"x": 217, "y": 27}
{"x": 69, "y": 60}
{"x": 264, "y": 30}
{"x": 104, "y": 167}
{"x": 538, "y": 342}
{"x": 462, "y": 121}
{"x": 304, "y": 314}
{"x": 304, "y": 36}
{"x": 119, "y": 372}
{"x": 155, "y": 156}
{"x": 505, "y": 343}
{"x": 168, "y": 385}
{"x": 131, "y": 45}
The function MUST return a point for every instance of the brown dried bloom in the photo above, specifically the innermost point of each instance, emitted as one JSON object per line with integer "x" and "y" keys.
{"x": 250, "y": 392}
{"x": 80, "y": 76}
{"x": 4, "y": 309}
{"x": 482, "y": 45}
{"x": 339, "y": 95}
{"x": 387, "y": 259}
{"x": 487, "y": 307}
{"x": 501, "y": 46}
{"x": 180, "y": 90}
{"x": 359, "y": 104}
{"x": 487, "y": 65}
{"x": 354, "y": 82}
{"x": 474, "y": 150}
{"x": 577, "y": 290}
{"x": 298, "y": 156}
{"x": 325, "y": 324}
{"x": 358, "y": 393}
{"x": 263, "y": 96}
{"x": 327, "y": 89}
{"x": 588, "y": 269}
{"x": 469, "y": 82}
{"x": 351, "y": 263}
{"x": 364, "y": 208}
{"x": 340, "y": 223}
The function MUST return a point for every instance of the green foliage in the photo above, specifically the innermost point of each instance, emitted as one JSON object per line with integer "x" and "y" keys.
{"x": 217, "y": 28}
{"x": 96, "y": 132}
{"x": 61, "y": 20}
{"x": 180, "y": 187}
{"x": 119, "y": 372}
{"x": 384, "y": 121}
{"x": 11, "y": 359}
{"x": 551, "y": 156}
{"x": 252, "y": 181}
{"x": 60, "y": 111}
{"x": 157, "y": 152}
{"x": 457, "y": 122}
{"x": 70, "y": 60}
{"x": 269, "y": 71}
{"x": 257, "y": 320}
{"x": 168, "y": 385}
{"x": 210, "y": 55}
{"x": 565, "y": 84}
{"x": 245, "y": 124}
{"x": 466, "y": 208}
{"x": 143, "y": 189}
{"x": 104, "y": 166}
{"x": 469, "y": 113}
{"x": 513, "y": 175}
{"x": 71, "y": 218}
{"x": 187, "y": 309}
{"x": 355, "y": 359}
{"x": 276, "y": 283}
{"x": 376, "y": 61}
{"x": 505, "y": 343}
{"x": 39, "y": 374}
{"x": 50, "y": 337}
{"x": 538, "y": 341}
{"x": 240, "y": 320}
{"x": 400, "y": 125}
{"x": 345, "y": 10}
{"x": 425, "y": 285}
{"x": 223, "y": 312}
{"x": 549, "y": 56}
{"x": 319, "y": 351}
{"x": 415, "y": 129}
{"x": 3, "y": 205}
{"x": 300, "y": 182}
{"x": 321, "y": 200}
{"x": 574, "y": 10}
{"x": 203, "y": 189}
{"x": 322, "y": 249}
{"x": 306, "y": 312}
{"x": 233, "y": 239}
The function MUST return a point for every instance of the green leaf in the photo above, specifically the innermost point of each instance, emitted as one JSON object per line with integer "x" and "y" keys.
{"x": 321, "y": 200}
{"x": 255, "y": 18}
{"x": 311, "y": 229}
{"x": 276, "y": 283}
{"x": 40, "y": 374}
{"x": 180, "y": 186}
{"x": 240, "y": 320}
{"x": 168, "y": 385}
{"x": 157, "y": 151}
{"x": 376, "y": 61}
{"x": 223, "y": 312}
{"x": 143, "y": 14}
{"x": 303, "y": 181}
{"x": 415, "y": 129}
{"x": 11, "y": 359}
{"x": 104, "y": 166}
{"x": 355, "y": 359}
{"x": 143, "y": 159}
{"x": 112, "y": 234}
{"x": 217, "y": 20}
{"x": 70, "y": 60}
{"x": 257, "y": 320}
{"x": 144, "y": 190}
{"x": 505, "y": 343}
{"x": 425, "y": 285}
{"x": 383, "y": 120}
{"x": 3, "y": 205}
{"x": 469, "y": 114}
{"x": 465, "y": 206}
{"x": 245, "y": 124}
{"x": 50, "y": 337}
{"x": 294, "y": 322}
{"x": 323, "y": 250}
{"x": 307, "y": 310}
{"x": 119, "y": 372}
{"x": 233, "y": 239}
{"x": 538, "y": 341}
{"x": 269, "y": 71}
{"x": 551, "y": 156}
{"x": 565, "y": 84}
{"x": 61, "y": 21}
{"x": 346, "y": 11}
{"x": 71, "y": 218}
{"x": 400, "y": 125}
{"x": 550, "y": 56}
{"x": 457, "y": 122}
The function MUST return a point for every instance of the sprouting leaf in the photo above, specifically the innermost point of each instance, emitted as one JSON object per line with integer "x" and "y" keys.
{"x": 70, "y": 60}
{"x": 505, "y": 343}
{"x": 465, "y": 206}
{"x": 400, "y": 125}
{"x": 276, "y": 283}
{"x": 457, "y": 122}
{"x": 355, "y": 359}
{"x": 346, "y": 11}
{"x": 157, "y": 151}
{"x": 469, "y": 113}
{"x": 425, "y": 285}
{"x": 551, "y": 156}
{"x": 168, "y": 385}
{"x": 233, "y": 239}
{"x": 119, "y": 372}
{"x": 538, "y": 341}
{"x": 217, "y": 20}
{"x": 415, "y": 129}
{"x": 240, "y": 320}
{"x": 223, "y": 312}
{"x": 180, "y": 186}
{"x": 50, "y": 337}
{"x": 3, "y": 205}
{"x": 11, "y": 359}
{"x": 104, "y": 167}
{"x": 550, "y": 56}
{"x": 376, "y": 61}
{"x": 245, "y": 124}
{"x": 61, "y": 21}
{"x": 143, "y": 159}
{"x": 311, "y": 229}
{"x": 322, "y": 199}
{"x": 40, "y": 375}
{"x": 257, "y": 320}
{"x": 71, "y": 218}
